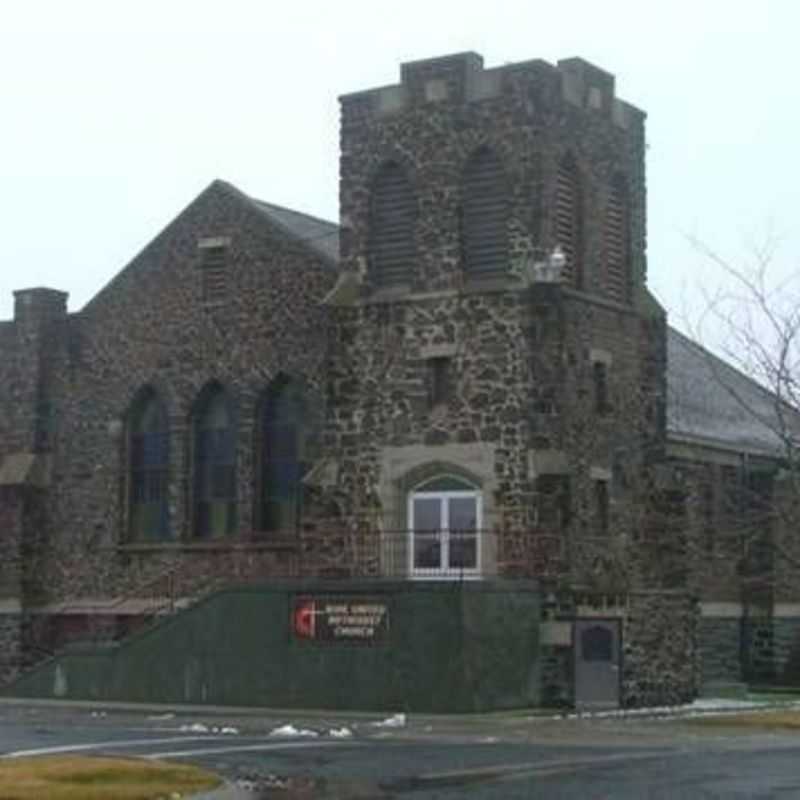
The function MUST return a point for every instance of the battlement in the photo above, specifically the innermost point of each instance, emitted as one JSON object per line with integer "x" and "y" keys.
{"x": 462, "y": 78}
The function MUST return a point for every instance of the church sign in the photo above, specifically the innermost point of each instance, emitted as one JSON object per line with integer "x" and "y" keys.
{"x": 343, "y": 619}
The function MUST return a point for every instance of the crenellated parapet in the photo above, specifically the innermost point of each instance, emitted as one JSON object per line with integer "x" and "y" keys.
{"x": 461, "y": 78}
{"x": 547, "y": 156}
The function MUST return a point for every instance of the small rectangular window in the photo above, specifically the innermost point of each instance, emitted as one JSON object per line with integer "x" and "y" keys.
{"x": 601, "y": 507}
{"x": 554, "y": 504}
{"x": 600, "y": 379}
{"x": 439, "y": 381}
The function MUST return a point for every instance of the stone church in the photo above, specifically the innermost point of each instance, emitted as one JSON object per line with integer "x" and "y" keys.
{"x": 460, "y": 406}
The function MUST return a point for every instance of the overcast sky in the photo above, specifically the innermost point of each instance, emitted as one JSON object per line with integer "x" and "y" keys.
{"x": 115, "y": 116}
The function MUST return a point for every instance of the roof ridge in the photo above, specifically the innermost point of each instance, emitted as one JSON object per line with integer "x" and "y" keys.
{"x": 295, "y": 211}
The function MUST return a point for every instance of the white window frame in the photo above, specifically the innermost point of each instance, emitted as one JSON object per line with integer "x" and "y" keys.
{"x": 444, "y": 571}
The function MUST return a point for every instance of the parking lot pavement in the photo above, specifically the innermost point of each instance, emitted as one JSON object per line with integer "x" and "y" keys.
{"x": 283, "y": 755}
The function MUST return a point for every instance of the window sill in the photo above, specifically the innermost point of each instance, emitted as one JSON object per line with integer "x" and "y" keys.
{"x": 276, "y": 543}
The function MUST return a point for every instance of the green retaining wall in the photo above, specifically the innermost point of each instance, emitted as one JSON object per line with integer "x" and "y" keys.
{"x": 449, "y": 647}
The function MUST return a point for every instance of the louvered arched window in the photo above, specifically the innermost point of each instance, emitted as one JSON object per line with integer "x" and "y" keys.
{"x": 391, "y": 227}
{"x": 283, "y": 434}
{"x": 484, "y": 218}
{"x": 617, "y": 241}
{"x": 568, "y": 223}
{"x": 148, "y": 447}
{"x": 214, "y": 464}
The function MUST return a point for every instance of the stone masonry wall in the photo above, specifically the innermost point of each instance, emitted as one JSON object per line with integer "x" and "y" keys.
{"x": 661, "y": 664}
{"x": 521, "y": 399}
{"x": 530, "y": 116}
{"x": 521, "y": 354}
{"x": 10, "y": 646}
{"x": 151, "y": 326}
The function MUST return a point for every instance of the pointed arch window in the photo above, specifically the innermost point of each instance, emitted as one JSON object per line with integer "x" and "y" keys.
{"x": 617, "y": 241}
{"x": 148, "y": 499}
{"x": 284, "y": 427}
{"x": 214, "y": 465}
{"x": 484, "y": 218}
{"x": 568, "y": 223}
{"x": 391, "y": 227}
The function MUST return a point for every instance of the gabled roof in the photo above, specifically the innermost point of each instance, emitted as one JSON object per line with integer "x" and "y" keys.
{"x": 711, "y": 402}
{"x": 321, "y": 235}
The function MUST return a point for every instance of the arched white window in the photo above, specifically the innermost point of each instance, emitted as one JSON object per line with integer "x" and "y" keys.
{"x": 444, "y": 517}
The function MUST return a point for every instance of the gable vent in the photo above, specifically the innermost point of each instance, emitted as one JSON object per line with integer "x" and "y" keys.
{"x": 214, "y": 268}
{"x": 484, "y": 216}
{"x": 392, "y": 217}
{"x": 568, "y": 222}
{"x": 617, "y": 241}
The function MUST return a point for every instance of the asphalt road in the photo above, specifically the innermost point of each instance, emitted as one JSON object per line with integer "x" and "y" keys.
{"x": 480, "y": 759}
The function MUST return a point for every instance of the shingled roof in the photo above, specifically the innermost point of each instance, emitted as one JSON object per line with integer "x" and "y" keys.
{"x": 711, "y": 402}
{"x": 321, "y": 235}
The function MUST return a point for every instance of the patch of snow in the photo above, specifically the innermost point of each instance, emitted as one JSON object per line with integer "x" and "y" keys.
{"x": 229, "y": 730}
{"x": 291, "y": 731}
{"x": 395, "y": 721}
{"x": 161, "y": 717}
{"x": 340, "y": 733}
{"x": 99, "y": 714}
{"x": 704, "y": 705}
{"x": 721, "y": 704}
{"x": 195, "y": 727}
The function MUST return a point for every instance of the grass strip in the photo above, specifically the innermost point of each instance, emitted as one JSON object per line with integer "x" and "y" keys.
{"x": 99, "y": 778}
{"x": 754, "y": 720}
